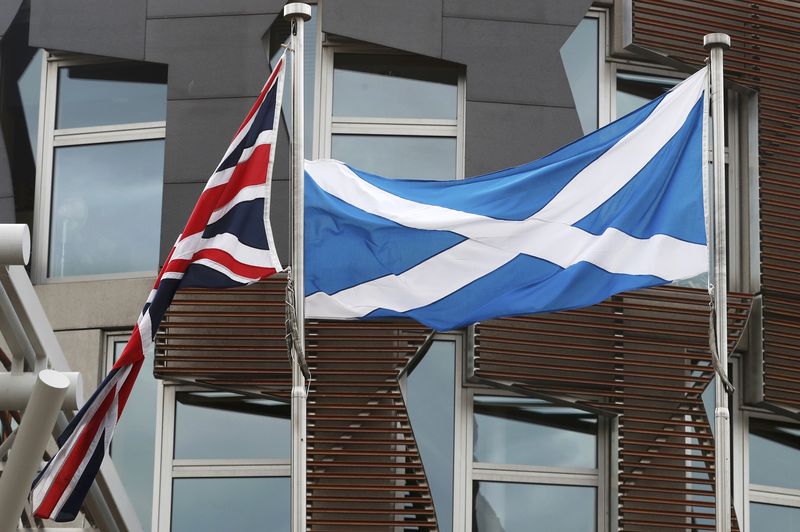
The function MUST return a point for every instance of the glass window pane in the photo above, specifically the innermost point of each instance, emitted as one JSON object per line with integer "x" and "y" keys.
{"x": 512, "y": 430}
{"x": 393, "y": 86}
{"x": 507, "y": 507}
{"x": 204, "y": 422}
{"x": 106, "y": 208}
{"x": 134, "y": 445}
{"x": 635, "y": 90}
{"x": 774, "y": 453}
{"x": 112, "y": 93}
{"x": 770, "y": 517}
{"x": 214, "y": 504}
{"x": 400, "y": 157}
{"x": 580, "y": 57}
{"x": 430, "y": 396}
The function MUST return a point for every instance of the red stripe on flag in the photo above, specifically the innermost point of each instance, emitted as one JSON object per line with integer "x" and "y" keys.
{"x": 132, "y": 352}
{"x": 73, "y": 461}
{"x": 227, "y": 260}
{"x": 251, "y": 172}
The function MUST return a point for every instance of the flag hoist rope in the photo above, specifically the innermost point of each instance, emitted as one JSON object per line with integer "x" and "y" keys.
{"x": 717, "y": 43}
{"x": 297, "y": 14}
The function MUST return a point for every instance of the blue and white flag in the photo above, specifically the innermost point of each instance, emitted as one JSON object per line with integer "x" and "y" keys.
{"x": 619, "y": 209}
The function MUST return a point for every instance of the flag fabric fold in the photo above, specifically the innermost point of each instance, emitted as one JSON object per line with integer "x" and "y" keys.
{"x": 227, "y": 242}
{"x": 619, "y": 209}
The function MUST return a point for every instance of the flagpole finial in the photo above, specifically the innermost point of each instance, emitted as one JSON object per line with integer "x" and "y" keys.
{"x": 297, "y": 9}
{"x": 710, "y": 40}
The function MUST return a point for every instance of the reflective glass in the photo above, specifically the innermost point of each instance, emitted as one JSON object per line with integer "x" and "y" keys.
{"x": 773, "y": 518}
{"x": 507, "y": 507}
{"x": 580, "y": 56}
{"x": 279, "y": 34}
{"x": 512, "y": 430}
{"x": 205, "y": 421}
{"x": 400, "y": 157}
{"x": 430, "y": 396}
{"x": 635, "y": 90}
{"x": 29, "y": 85}
{"x": 106, "y": 208}
{"x": 111, "y": 93}
{"x": 393, "y": 86}
{"x": 217, "y": 504}
{"x": 134, "y": 445}
{"x": 774, "y": 453}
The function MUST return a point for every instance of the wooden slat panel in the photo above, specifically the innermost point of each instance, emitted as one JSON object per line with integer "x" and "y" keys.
{"x": 766, "y": 44}
{"x": 644, "y": 356}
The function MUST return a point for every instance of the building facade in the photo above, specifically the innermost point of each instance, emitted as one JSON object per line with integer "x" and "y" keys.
{"x": 113, "y": 116}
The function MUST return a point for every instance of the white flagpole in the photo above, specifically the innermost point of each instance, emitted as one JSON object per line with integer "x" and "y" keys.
{"x": 297, "y": 14}
{"x": 717, "y": 43}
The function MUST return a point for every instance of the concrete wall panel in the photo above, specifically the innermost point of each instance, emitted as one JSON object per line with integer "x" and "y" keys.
{"x": 111, "y": 303}
{"x": 8, "y": 10}
{"x": 412, "y": 25}
{"x": 198, "y": 133}
{"x": 114, "y": 28}
{"x": 178, "y": 200}
{"x": 205, "y": 8}
{"x": 509, "y": 61}
{"x": 503, "y": 135}
{"x": 84, "y": 351}
{"x": 540, "y": 11}
{"x": 211, "y": 57}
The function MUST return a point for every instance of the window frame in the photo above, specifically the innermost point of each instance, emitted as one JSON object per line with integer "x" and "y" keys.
{"x": 168, "y": 468}
{"x": 49, "y": 138}
{"x": 745, "y": 493}
{"x": 328, "y": 125}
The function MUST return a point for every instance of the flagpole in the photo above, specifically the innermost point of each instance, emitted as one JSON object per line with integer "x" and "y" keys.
{"x": 716, "y": 44}
{"x": 297, "y": 14}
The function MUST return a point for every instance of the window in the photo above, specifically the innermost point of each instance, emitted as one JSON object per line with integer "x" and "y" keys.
{"x": 497, "y": 461}
{"x": 533, "y": 461}
{"x": 204, "y": 469}
{"x": 391, "y": 114}
{"x": 99, "y": 184}
{"x": 582, "y": 55}
{"x": 773, "y": 473}
{"x": 134, "y": 445}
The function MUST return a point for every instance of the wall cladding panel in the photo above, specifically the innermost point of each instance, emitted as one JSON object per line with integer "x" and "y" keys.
{"x": 411, "y": 25}
{"x": 113, "y": 28}
{"x": 206, "y": 8}
{"x": 211, "y": 57}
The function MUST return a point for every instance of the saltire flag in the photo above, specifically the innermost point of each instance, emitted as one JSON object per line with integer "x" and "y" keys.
{"x": 227, "y": 242}
{"x": 617, "y": 210}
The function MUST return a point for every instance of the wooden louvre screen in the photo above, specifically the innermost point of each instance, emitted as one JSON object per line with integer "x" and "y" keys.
{"x": 643, "y": 356}
{"x": 766, "y": 45}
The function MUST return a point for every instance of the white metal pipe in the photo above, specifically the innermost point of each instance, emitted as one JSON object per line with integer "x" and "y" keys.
{"x": 298, "y": 13}
{"x": 15, "y": 390}
{"x": 25, "y": 456}
{"x": 15, "y": 244}
{"x": 717, "y": 43}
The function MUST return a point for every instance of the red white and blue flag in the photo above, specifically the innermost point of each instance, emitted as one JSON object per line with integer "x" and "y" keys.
{"x": 227, "y": 242}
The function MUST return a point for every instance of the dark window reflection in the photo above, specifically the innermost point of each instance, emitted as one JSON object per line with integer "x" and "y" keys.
{"x": 399, "y": 157}
{"x": 772, "y": 518}
{"x": 511, "y": 430}
{"x": 393, "y": 86}
{"x": 217, "y": 504}
{"x": 430, "y": 395}
{"x": 205, "y": 421}
{"x": 111, "y": 93}
{"x": 507, "y": 507}
{"x": 106, "y": 208}
{"x": 580, "y": 57}
{"x": 774, "y": 453}
{"x": 635, "y": 90}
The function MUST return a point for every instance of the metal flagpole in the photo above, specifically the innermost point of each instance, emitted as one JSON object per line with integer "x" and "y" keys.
{"x": 297, "y": 14}
{"x": 717, "y": 43}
